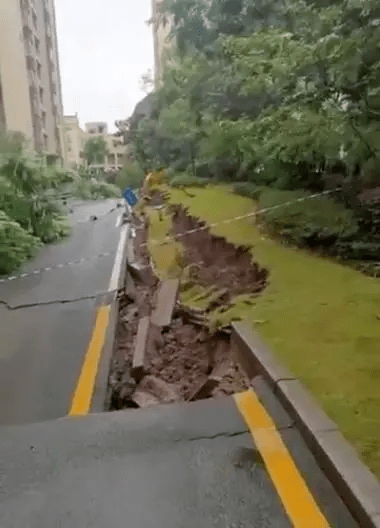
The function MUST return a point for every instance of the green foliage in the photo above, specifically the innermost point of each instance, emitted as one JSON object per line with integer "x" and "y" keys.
{"x": 131, "y": 175}
{"x": 187, "y": 180}
{"x": 317, "y": 221}
{"x": 277, "y": 94}
{"x": 95, "y": 190}
{"x": 95, "y": 150}
{"x": 16, "y": 244}
{"x": 30, "y": 211}
{"x": 247, "y": 189}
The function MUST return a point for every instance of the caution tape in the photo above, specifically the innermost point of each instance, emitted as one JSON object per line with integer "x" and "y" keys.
{"x": 169, "y": 238}
{"x": 166, "y": 239}
{"x": 55, "y": 267}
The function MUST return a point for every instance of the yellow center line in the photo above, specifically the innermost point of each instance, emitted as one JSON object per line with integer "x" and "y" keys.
{"x": 293, "y": 491}
{"x": 85, "y": 387}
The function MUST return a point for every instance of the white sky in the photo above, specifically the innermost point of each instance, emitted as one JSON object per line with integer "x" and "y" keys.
{"x": 104, "y": 48}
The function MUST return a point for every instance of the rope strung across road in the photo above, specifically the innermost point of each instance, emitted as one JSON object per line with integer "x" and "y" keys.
{"x": 170, "y": 237}
{"x": 56, "y": 266}
{"x": 236, "y": 218}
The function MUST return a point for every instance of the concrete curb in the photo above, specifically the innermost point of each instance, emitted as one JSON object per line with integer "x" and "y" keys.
{"x": 100, "y": 400}
{"x": 353, "y": 481}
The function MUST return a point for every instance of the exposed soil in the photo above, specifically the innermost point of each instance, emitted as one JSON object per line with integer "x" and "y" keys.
{"x": 183, "y": 356}
{"x": 219, "y": 263}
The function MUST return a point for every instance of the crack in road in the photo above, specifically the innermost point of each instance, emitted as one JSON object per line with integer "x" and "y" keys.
{"x": 58, "y": 301}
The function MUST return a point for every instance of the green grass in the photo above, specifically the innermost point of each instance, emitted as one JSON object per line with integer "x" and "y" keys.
{"x": 166, "y": 257}
{"x": 322, "y": 319}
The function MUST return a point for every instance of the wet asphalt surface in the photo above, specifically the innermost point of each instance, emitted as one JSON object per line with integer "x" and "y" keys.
{"x": 42, "y": 347}
{"x": 180, "y": 465}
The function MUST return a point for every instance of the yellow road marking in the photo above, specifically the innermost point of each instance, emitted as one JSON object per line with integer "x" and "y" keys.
{"x": 298, "y": 502}
{"x": 82, "y": 398}
{"x": 85, "y": 387}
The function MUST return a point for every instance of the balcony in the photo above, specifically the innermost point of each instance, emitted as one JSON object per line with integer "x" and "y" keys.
{"x": 27, "y": 32}
{"x": 33, "y": 7}
{"x": 25, "y": 11}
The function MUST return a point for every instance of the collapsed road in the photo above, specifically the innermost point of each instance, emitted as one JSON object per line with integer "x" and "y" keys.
{"x": 228, "y": 459}
{"x": 180, "y": 358}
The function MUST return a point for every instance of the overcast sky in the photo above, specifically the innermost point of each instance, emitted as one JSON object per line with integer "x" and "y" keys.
{"x": 104, "y": 46}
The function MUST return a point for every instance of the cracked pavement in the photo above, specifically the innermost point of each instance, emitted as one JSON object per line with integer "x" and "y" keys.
{"x": 46, "y": 331}
{"x": 190, "y": 465}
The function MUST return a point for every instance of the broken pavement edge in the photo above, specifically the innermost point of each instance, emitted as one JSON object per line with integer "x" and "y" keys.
{"x": 101, "y": 395}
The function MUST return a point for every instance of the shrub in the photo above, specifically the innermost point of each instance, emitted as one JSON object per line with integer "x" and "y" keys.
{"x": 247, "y": 189}
{"x": 16, "y": 244}
{"x": 131, "y": 175}
{"x": 186, "y": 180}
{"x": 95, "y": 190}
{"x": 313, "y": 222}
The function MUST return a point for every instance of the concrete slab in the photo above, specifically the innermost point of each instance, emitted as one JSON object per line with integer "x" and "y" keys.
{"x": 350, "y": 476}
{"x": 254, "y": 356}
{"x": 130, "y": 288}
{"x": 166, "y": 300}
{"x": 138, "y": 365}
{"x": 204, "y": 389}
{"x": 139, "y": 272}
{"x": 267, "y": 397}
{"x": 307, "y": 413}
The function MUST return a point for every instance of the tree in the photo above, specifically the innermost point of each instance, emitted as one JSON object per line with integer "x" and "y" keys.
{"x": 95, "y": 150}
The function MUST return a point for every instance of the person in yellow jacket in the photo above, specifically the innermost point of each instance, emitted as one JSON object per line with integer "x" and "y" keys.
{"x": 154, "y": 178}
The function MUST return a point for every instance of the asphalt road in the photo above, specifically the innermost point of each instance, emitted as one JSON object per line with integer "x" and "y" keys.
{"x": 43, "y": 346}
{"x": 177, "y": 466}
{"x": 192, "y": 465}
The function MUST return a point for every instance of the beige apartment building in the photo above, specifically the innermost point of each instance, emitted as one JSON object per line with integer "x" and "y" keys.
{"x": 76, "y": 138}
{"x": 30, "y": 84}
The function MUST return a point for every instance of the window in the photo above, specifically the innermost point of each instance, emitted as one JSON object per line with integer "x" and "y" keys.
{"x": 39, "y": 70}
{"x": 42, "y": 95}
{"x": 44, "y": 119}
{"x": 37, "y": 44}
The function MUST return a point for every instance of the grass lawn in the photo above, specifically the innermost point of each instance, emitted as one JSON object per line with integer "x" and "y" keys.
{"x": 322, "y": 319}
{"x": 165, "y": 257}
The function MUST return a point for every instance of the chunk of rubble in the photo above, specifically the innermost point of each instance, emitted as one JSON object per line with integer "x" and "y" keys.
{"x": 166, "y": 302}
{"x": 139, "y": 354}
{"x": 144, "y": 399}
{"x": 156, "y": 389}
{"x": 204, "y": 389}
{"x": 140, "y": 273}
{"x": 130, "y": 288}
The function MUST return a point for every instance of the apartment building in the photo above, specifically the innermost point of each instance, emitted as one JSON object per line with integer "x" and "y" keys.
{"x": 161, "y": 37}
{"x": 30, "y": 86}
{"x": 75, "y": 141}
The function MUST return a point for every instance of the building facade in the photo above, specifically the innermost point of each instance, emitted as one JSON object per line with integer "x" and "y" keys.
{"x": 30, "y": 86}
{"x": 75, "y": 140}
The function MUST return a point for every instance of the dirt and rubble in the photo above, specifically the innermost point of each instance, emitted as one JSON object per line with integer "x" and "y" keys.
{"x": 183, "y": 361}
{"x": 218, "y": 262}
